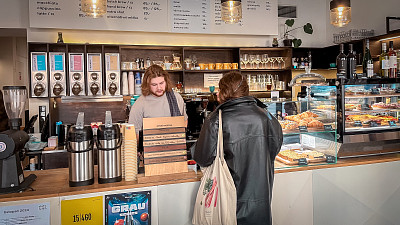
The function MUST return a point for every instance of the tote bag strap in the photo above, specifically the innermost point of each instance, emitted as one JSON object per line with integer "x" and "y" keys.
{"x": 220, "y": 144}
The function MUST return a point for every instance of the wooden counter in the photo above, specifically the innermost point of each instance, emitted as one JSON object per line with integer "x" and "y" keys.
{"x": 55, "y": 183}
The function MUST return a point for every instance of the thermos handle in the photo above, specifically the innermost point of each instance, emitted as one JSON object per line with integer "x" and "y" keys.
{"x": 99, "y": 147}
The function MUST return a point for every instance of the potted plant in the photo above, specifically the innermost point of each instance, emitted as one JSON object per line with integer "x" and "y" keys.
{"x": 288, "y": 39}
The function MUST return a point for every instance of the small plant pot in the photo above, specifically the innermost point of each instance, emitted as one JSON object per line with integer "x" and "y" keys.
{"x": 287, "y": 42}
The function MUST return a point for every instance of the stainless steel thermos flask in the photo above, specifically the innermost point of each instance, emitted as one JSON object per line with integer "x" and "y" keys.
{"x": 80, "y": 148}
{"x": 109, "y": 151}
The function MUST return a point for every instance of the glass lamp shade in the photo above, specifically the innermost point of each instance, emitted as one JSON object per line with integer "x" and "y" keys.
{"x": 94, "y": 8}
{"x": 340, "y": 12}
{"x": 14, "y": 98}
{"x": 231, "y": 11}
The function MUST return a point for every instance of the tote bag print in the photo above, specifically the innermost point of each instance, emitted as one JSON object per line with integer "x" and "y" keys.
{"x": 216, "y": 197}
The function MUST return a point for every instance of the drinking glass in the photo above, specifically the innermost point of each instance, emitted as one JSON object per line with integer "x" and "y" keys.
{"x": 257, "y": 61}
{"x": 252, "y": 61}
{"x": 264, "y": 60}
{"x": 212, "y": 89}
{"x": 272, "y": 60}
{"x": 245, "y": 60}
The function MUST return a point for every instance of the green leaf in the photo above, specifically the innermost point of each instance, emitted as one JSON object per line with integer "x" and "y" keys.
{"x": 289, "y": 22}
{"x": 308, "y": 28}
{"x": 296, "y": 42}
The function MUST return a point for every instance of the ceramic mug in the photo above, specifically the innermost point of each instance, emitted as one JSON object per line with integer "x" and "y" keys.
{"x": 203, "y": 66}
{"x": 227, "y": 66}
{"x": 211, "y": 66}
{"x": 218, "y": 66}
{"x": 234, "y": 66}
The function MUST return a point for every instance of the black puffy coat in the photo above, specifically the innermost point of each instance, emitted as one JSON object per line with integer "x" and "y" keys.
{"x": 252, "y": 139}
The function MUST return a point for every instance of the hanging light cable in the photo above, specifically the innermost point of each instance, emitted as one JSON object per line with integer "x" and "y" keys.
{"x": 231, "y": 11}
{"x": 94, "y": 8}
{"x": 340, "y": 14}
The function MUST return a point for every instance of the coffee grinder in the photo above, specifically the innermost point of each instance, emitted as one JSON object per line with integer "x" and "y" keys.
{"x": 12, "y": 142}
{"x": 109, "y": 145}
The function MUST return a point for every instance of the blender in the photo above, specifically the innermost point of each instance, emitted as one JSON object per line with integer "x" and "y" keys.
{"x": 12, "y": 142}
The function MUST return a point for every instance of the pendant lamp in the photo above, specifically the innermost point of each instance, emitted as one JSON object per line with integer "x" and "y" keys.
{"x": 340, "y": 14}
{"x": 94, "y": 8}
{"x": 231, "y": 11}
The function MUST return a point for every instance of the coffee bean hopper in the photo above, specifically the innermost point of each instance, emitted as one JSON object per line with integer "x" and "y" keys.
{"x": 12, "y": 142}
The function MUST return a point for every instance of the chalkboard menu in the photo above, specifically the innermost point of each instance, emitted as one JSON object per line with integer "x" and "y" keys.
{"x": 260, "y": 17}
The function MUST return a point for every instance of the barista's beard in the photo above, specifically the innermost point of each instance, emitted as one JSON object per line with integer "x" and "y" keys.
{"x": 158, "y": 94}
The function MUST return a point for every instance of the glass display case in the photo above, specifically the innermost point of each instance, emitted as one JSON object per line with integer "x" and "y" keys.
{"x": 368, "y": 117}
{"x": 309, "y": 128}
{"x": 371, "y": 107}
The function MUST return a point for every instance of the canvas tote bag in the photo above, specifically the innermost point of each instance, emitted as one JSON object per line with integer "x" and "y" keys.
{"x": 216, "y": 198}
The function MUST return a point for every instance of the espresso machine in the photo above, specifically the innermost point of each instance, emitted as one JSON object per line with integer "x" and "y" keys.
{"x": 109, "y": 151}
{"x": 12, "y": 142}
{"x": 80, "y": 157}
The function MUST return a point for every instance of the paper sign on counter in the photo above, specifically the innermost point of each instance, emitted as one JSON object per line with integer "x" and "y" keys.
{"x": 82, "y": 211}
{"x": 30, "y": 214}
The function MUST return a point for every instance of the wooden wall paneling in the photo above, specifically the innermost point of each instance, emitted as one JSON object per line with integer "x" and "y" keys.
{"x": 94, "y": 111}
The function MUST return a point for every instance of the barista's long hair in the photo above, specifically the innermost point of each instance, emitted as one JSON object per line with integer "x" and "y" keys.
{"x": 153, "y": 72}
{"x": 232, "y": 85}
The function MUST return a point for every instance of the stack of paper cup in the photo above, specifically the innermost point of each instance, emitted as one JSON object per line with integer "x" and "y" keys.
{"x": 130, "y": 153}
{"x": 131, "y": 83}
{"x": 122, "y": 128}
{"x": 125, "y": 89}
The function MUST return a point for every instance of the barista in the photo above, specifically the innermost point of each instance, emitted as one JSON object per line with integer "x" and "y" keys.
{"x": 157, "y": 100}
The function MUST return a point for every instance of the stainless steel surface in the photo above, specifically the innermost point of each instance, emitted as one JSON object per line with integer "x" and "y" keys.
{"x": 115, "y": 98}
{"x": 81, "y": 166}
{"x": 359, "y": 138}
{"x": 79, "y": 146}
{"x": 109, "y": 160}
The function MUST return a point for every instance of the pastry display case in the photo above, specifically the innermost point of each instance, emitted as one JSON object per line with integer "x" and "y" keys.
{"x": 369, "y": 112}
{"x": 309, "y": 128}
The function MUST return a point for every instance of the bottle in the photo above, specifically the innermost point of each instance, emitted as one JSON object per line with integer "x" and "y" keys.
{"x": 392, "y": 61}
{"x": 384, "y": 62}
{"x": 148, "y": 63}
{"x": 341, "y": 62}
{"x": 138, "y": 84}
{"x": 368, "y": 66}
{"x": 294, "y": 63}
{"x": 351, "y": 64}
{"x": 60, "y": 39}
{"x": 309, "y": 60}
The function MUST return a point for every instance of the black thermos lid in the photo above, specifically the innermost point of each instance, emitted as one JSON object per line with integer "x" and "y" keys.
{"x": 108, "y": 133}
{"x": 79, "y": 135}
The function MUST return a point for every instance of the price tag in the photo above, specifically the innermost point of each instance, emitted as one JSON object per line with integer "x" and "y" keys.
{"x": 373, "y": 124}
{"x": 330, "y": 159}
{"x": 374, "y": 91}
{"x": 392, "y": 123}
{"x": 82, "y": 211}
{"x": 357, "y": 123}
{"x": 303, "y": 129}
{"x": 274, "y": 95}
{"x": 303, "y": 162}
{"x": 365, "y": 107}
{"x": 328, "y": 127}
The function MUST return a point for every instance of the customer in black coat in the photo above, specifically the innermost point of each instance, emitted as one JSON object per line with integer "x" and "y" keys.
{"x": 252, "y": 139}
{"x": 3, "y": 114}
